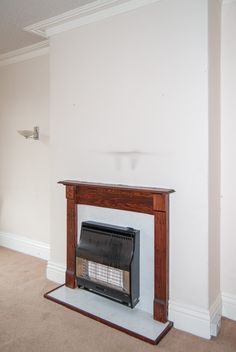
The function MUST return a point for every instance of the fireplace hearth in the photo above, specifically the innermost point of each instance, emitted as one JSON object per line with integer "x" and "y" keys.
{"x": 107, "y": 261}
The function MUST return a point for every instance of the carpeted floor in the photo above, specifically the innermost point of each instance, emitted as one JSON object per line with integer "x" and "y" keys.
{"x": 30, "y": 323}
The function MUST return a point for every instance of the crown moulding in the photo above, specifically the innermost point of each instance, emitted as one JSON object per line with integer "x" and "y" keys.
{"x": 93, "y": 12}
{"x": 25, "y": 53}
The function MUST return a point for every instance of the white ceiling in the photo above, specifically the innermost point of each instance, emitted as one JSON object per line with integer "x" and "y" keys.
{"x": 17, "y": 14}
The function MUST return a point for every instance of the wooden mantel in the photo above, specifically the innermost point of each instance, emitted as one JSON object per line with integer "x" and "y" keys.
{"x": 149, "y": 200}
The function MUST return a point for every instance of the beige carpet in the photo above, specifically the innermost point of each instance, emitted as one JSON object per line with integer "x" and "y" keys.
{"x": 31, "y": 323}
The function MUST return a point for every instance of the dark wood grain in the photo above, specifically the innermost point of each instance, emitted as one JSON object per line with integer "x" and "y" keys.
{"x": 117, "y": 186}
{"x": 71, "y": 235}
{"x": 116, "y": 198}
{"x": 161, "y": 265}
{"x": 148, "y": 200}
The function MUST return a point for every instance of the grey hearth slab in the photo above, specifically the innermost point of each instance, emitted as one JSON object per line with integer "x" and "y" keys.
{"x": 133, "y": 321}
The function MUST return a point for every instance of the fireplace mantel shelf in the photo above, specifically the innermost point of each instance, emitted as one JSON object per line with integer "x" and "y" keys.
{"x": 117, "y": 186}
{"x": 138, "y": 199}
{"x": 148, "y": 200}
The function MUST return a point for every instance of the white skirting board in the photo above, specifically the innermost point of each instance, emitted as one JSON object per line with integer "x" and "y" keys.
{"x": 134, "y": 321}
{"x": 56, "y": 272}
{"x": 25, "y": 245}
{"x": 201, "y": 322}
{"x": 229, "y": 306}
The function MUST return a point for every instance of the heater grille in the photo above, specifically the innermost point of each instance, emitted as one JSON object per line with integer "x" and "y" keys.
{"x": 106, "y": 274}
{"x": 103, "y": 274}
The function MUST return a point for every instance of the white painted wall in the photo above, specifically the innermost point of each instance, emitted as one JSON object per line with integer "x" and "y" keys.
{"x": 228, "y": 225}
{"x": 24, "y": 164}
{"x": 139, "y": 82}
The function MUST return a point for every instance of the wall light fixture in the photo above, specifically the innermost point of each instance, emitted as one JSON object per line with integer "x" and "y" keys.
{"x": 30, "y": 134}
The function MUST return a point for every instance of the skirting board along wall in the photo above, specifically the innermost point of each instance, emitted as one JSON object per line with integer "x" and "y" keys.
{"x": 201, "y": 322}
{"x": 25, "y": 245}
{"x": 229, "y": 306}
{"x": 56, "y": 272}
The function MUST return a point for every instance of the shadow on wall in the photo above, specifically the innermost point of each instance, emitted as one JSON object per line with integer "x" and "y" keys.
{"x": 132, "y": 156}
{"x": 43, "y": 138}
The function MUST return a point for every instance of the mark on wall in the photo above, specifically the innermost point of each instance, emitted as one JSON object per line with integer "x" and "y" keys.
{"x": 133, "y": 157}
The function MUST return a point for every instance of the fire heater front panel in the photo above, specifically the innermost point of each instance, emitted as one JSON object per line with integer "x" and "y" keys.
{"x": 107, "y": 261}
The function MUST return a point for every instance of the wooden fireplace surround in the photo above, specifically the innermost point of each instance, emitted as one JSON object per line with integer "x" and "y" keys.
{"x": 154, "y": 201}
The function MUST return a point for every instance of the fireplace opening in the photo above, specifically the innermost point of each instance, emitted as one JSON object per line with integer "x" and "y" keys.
{"x": 107, "y": 261}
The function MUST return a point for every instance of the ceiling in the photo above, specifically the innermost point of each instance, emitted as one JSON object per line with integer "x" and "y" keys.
{"x": 17, "y": 14}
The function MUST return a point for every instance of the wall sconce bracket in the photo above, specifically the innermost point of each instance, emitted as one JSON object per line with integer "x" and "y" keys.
{"x": 30, "y": 134}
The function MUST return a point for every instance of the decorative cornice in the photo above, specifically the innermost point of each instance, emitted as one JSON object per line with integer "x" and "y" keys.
{"x": 93, "y": 12}
{"x": 25, "y": 53}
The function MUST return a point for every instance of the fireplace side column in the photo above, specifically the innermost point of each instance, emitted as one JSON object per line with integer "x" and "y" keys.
{"x": 71, "y": 235}
{"x": 161, "y": 257}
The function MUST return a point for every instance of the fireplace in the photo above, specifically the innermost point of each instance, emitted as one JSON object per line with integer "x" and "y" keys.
{"x": 107, "y": 261}
{"x": 81, "y": 266}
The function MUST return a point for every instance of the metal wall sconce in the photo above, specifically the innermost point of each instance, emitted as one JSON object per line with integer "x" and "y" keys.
{"x": 30, "y": 134}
